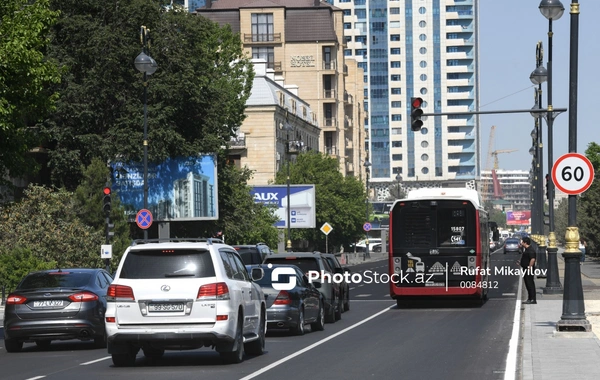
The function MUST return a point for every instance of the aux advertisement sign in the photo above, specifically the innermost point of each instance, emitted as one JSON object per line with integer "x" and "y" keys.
{"x": 518, "y": 218}
{"x": 302, "y": 204}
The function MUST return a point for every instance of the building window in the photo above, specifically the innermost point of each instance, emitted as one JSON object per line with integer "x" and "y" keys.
{"x": 396, "y": 117}
{"x": 396, "y": 91}
{"x": 424, "y": 131}
{"x": 262, "y": 27}
{"x": 361, "y": 39}
{"x": 394, "y": 37}
{"x": 452, "y": 49}
{"x": 362, "y": 65}
{"x": 396, "y": 131}
{"x": 423, "y": 77}
{"x": 395, "y": 51}
{"x": 396, "y": 157}
{"x": 266, "y": 53}
{"x": 396, "y": 104}
{"x": 423, "y": 64}
{"x": 422, "y": 10}
{"x": 422, "y": 24}
{"x": 347, "y": 39}
{"x": 423, "y": 91}
{"x": 425, "y": 170}
{"x": 347, "y": 52}
{"x": 424, "y": 144}
{"x": 395, "y": 78}
{"x": 423, "y": 50}
{"x": 362, "y": 52}
{"x": 347, "y": 12}
{"x": 347, "y": 25}
{"x": 396, "y": 144}
{"x": 394, "y": 11}
{"x": 361, "y": 14}
{"x": 394, "y": 24}
{"x": 422, "y": 37}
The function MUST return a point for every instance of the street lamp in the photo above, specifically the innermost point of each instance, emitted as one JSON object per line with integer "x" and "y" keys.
{"x": 288, "y": 128}
{"x": 552, "y": 10}
{"x": 367, "y": 165}
{"x": 398, "y": 180}
{"x": 573, "y": 315}
{"x": 146, "y": 65}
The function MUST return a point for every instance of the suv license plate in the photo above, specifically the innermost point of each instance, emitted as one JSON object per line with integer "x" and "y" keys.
{"x": 48, "y": 303}
{"x": 165, "y": 307}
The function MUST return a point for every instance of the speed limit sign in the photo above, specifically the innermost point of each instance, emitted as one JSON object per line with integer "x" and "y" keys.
{"x": 572, "y": 173}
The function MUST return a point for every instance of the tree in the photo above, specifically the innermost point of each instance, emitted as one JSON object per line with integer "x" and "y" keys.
{"x": 196, "y": 98}
{"x": 46, "y": 222}
{"x": 24, "y": 78}
{"x": 17, "y": 263}
{"x": 340, "y": 201}
{"x": 588, "y": 205}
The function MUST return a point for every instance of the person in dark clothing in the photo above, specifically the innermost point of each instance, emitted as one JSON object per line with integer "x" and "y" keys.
{"x": 528, "y": 264}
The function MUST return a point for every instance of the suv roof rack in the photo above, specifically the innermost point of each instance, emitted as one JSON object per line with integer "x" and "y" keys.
{"x": 178, "y": 240}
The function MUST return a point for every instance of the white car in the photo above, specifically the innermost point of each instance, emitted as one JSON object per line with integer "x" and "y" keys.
{"x": 184, "y": 295}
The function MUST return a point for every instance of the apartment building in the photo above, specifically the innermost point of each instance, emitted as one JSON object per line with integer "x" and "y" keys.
{"x": 302, "y": 42}
{"x": 278, "y": 125}
{"x": 514, "y": 191}
{"x": 417, "y": 48}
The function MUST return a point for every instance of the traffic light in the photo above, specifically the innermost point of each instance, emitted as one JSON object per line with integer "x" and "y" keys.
{"x": 106, "y": 200}
{"x": 415, "y": 113}
{"x": 547, "y": 186}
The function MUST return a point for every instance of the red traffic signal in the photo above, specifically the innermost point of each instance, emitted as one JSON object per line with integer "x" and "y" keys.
{"x": 106, "y": 191}
{"x": 417, "y": 102}
{"x": 415, "y": 113}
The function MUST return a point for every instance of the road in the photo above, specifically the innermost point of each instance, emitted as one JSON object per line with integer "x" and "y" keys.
{"x": 375, "y": 339}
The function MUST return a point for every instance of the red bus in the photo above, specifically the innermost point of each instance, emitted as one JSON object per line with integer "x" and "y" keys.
{"x": 439, "y": 245}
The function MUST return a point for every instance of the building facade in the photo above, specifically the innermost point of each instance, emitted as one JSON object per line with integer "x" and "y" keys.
{"x": 515, "y": 186}
{"x": 302, "y": 42}
{"x": 417, "y": 48}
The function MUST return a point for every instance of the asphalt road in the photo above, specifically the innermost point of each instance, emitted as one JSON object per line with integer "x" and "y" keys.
{"x": 375, "y": 339}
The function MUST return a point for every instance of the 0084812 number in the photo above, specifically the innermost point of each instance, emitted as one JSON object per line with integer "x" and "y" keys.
{"x": 480, "y": 284}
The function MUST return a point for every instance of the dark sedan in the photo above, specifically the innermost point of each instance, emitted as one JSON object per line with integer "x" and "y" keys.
{"x": 292, "y": 301}
{"x": 57, "y": 304}
{"x": 512, "y": 245}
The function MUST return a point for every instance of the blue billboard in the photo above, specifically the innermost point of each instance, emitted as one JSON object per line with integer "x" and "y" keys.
{"x": 302, "y": 204}
{"x": 179, "y": 189}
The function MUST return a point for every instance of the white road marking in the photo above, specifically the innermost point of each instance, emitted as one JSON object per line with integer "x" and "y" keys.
{"x": 35, "y": 378}
{"x": 96, "y": 361}
{"x": 300, "y": 352}
{"x": 509, "y": 294}
{"x": 363, "y": 295}
{"x": 513, "y": 345}
{"x": 352, "y": 288}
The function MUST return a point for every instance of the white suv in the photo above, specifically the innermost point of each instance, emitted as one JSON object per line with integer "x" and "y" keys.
{"x": 184, "y": 295}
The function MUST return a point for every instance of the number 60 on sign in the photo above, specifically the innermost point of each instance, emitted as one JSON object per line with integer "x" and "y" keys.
{"x": 572, "y": 173}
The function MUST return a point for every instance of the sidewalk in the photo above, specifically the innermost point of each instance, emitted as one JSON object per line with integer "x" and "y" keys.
{"x": 551, "y": 354}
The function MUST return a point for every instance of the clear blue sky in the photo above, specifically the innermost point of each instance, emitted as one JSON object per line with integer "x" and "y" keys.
{"x": 509, "y": 31}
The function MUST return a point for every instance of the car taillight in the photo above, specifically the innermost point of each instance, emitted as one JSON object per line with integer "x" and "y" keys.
{"x": 14, "y": 299}
{"x": 83, "y": 297}
{"x": 283, "y": 298}
{"x": 119, "y": 293}
{"x": 216, "y": 291}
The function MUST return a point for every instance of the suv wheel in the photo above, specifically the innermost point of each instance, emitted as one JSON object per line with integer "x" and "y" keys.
{"x": 13, "y": 345}
{"x": 319, "y": 324}
{"x": 299, "y": 330}
{"x": 125, "y": 359}
{"x": 257, "y": 347}
{"x": 330, "y": 317}
{"x": 236, "y": 356}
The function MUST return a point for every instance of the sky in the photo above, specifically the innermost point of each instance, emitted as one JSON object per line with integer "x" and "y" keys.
{"x": 509, "y": 31}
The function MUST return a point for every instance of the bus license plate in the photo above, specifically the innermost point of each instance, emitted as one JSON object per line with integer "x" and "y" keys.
{"x": 165, "y": 307}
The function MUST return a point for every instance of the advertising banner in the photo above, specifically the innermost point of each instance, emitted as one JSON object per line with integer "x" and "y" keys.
{"x": 302, "y": 204}
{"x": 179, "y": 189}
{"x": 518, "y": 218}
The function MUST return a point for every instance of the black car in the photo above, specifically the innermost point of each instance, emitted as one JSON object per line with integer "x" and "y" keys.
{"x": 253, "y": 254}
{"x": 337, "y": 268}
{"x": 58, "y": 304}
{"x": 291, "y": 308}
{"x": 308, "y": 262}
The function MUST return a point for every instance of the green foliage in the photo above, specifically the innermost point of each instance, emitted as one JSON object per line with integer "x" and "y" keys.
{"x": 340, "y": 201}
{"x": 588, "y": 205}
{"x": 561, "y": 221}
{"x": 24, "y": 78}
{"x": 17, "y": 263}
{"x": 47, "y": 223}
{"x": 89, "y": 201}
{"x": 195, "y": 99}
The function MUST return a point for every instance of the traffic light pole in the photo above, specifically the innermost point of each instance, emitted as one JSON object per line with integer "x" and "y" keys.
{"x": 537, "y": 110}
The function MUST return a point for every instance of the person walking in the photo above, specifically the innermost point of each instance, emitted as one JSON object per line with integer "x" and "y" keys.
{"x": 582, "y": 246}
{"x": 528, "y": 265}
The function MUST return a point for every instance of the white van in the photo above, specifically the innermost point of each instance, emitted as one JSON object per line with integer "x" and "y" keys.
{"x": 361, "y": 245}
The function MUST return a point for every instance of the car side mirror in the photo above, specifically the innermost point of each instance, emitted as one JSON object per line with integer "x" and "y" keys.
{"x": 257, "y": 274}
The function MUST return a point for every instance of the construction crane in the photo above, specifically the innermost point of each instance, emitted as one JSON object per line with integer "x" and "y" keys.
{"x": 495, "y": 155}
{"x": 485, "y": 184}
{"x": 497, "y": 188}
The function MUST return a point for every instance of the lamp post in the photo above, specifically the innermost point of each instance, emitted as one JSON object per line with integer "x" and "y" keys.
{"x": 367, "y": 165}
{"x": 398, "y": 180}
{"x": 552, "y": 10}
{"x": 146, "y": 65}
{"x": 573, "y": 315}
{"x": 288, "y": 127}
{"x": 539, "y": 76}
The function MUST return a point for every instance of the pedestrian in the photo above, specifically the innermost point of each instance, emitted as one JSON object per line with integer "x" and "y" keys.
{"x": 528, "y": 265}
{"x": 582, "y": 246}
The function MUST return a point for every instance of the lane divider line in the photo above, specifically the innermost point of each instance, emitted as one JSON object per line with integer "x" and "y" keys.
{"x": 96, "y": 361}
{"x": 314, "y": 345}
{"x": 513, "y": 345}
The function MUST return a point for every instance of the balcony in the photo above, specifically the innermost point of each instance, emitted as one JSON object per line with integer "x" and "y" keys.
{"x": 348, "y": 123}
{"x": 348, "y": 99}
{"x": 330, "y": 122}
{"x": 238, "y": 142}
{"x": 329, "y": 94}
{"x": 331, "y": 150}
{"x": 262, "y": 38}
{"x": 329, "y": 65}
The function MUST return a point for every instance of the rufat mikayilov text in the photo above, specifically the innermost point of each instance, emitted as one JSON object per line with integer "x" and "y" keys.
{"x": 502, "y": 271}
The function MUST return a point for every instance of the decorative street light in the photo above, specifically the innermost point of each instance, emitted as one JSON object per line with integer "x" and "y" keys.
{"x": 146, "y": 65}
{"x": 552, "y": 10}
{"x": 367, "y": 165}
{"x": 573, "y": 315}
{"x": 288, "y": 128}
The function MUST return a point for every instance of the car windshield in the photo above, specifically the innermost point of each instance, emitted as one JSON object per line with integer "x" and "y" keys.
{"x": 305, "y": 264}
{"x": 161, "y": 263}
{"x": 55, "y": 280}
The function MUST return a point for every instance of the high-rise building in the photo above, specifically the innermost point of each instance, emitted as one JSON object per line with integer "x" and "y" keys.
{"x": 514, "y": 190}
{"x": 417, "y": 48}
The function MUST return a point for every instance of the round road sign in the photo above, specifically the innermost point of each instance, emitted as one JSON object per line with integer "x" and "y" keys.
{"x": 367, "y": 226}
{"x": 143, "y": 219}
{"x": 572, "y": 173}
